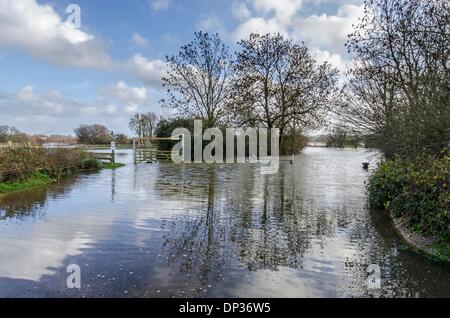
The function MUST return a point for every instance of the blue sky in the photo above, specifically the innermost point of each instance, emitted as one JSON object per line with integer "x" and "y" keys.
{"x": 54, "y": 76}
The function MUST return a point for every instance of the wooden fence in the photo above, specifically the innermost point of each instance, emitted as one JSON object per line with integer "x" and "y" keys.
{"x": 146, "y": 150}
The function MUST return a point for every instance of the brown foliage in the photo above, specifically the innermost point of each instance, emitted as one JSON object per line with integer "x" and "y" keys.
{"x": 18, "y": 164}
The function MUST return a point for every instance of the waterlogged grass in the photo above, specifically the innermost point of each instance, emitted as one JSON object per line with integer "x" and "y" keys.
{"x": 37, "y": 180}
{"x": 112, "y": 165}
{"x": 40, "y": 179}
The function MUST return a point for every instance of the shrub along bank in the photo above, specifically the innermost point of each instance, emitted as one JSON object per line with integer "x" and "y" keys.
{"x": 417, "y": 192}
{"x": 25, "y": 167}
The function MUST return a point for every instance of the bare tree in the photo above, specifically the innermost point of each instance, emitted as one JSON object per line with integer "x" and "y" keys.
{"x": 7, "y": 133}
{"x": 122, "y": 139}
{"x": 4, "y": 133}
{"x": 197, "y": 79}
{"x": 144, "y": 125}
{"x": 280, "y": 85}
{"x": 337, "y": 137}
{"x": 398, "y": 93}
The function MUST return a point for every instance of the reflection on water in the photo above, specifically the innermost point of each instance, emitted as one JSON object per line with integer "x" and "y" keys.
{"x": 166, "y": 230}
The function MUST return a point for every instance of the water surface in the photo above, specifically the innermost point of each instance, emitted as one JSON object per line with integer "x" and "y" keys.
{"x": 165, "y": 230}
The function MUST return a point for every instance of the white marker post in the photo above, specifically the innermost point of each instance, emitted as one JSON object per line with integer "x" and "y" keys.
{"x": 113, "y": 151}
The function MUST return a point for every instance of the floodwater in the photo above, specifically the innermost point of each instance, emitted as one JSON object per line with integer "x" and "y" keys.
{"x": 166, "y": 230}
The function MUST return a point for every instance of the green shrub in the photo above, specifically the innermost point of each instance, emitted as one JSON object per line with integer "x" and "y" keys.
{"x": 91, "y": 164}
{"x": 417, "y": 190}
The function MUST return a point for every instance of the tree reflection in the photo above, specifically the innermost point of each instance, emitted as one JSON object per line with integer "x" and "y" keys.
{"x": 196, "y": 240}
{"x": 260, "y": 220}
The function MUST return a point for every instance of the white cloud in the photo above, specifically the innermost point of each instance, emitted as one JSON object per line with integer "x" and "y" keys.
{"x": 334, "y": 59}
{"x": 240, "y": 10}
{"x": 26, "y": 102}
{"x": 132, "y": 98}
{"x": 126, "y": 94}
{"x": 328, "y": 31}
{"x": 139, "y": 40}
{"x": 325, "y": 34}
{"x": 267, "y": 16}
{"x": 158, "y": 5}
{"x": 283, "y": 10}
{"x": 325, "y": 31}
{"x": 149, "y": 71}
{"x": 213, "y": 24}
{"x": 132, "y": 108}
{"x": 30, "y": 110}
{"x": 26, "y": 94}
{"x": 258, "y": 25}
{"x": 40, "y": 31}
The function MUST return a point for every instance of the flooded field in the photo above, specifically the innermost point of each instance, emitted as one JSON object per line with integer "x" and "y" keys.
{"x": 166, "y": 230}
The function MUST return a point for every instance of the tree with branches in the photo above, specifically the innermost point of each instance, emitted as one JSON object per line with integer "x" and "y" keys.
{"x": 398, "y": 92}
{"x": 278, "y": 84}
{"x": 197, "y": 79}
{"x": 144, "y": 125}
{"x": 93, "y": 134}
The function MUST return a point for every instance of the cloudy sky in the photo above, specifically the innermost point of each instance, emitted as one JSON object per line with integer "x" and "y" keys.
{"x": 55, "y": 76}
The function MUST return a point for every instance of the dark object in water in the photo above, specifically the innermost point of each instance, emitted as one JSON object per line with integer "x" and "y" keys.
{"x": 365, "y": 165}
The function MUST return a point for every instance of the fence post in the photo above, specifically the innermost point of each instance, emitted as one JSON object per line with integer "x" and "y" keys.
{"x": 182, "y": 148}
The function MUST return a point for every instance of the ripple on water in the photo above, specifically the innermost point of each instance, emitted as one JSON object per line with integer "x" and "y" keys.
{"x": 165, "y": 230}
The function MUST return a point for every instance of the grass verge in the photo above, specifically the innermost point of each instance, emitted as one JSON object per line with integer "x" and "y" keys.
{"x": 36, "y": 180}
{"x": 39, "y": 179}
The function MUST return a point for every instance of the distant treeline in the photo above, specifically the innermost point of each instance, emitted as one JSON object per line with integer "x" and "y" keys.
{"x": 85, "y": 134}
